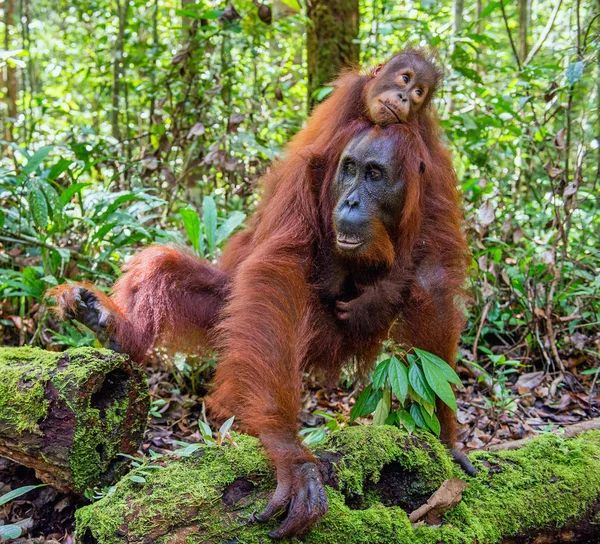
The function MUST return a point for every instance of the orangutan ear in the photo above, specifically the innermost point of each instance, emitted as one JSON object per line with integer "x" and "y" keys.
{"x": 422, "y": 168}
{"x": 376, "y": 70}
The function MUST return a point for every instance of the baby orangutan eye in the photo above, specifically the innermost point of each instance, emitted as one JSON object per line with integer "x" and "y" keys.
{"x": 419, "y": 92}
{"x": 405, "y": 78}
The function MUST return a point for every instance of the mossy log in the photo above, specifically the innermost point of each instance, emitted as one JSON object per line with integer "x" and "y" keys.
{"x": 548, "y": 489}
{"x": 68, "y": 415}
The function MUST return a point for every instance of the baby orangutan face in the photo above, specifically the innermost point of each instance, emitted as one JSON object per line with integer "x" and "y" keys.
{"x": 401, "y": 88}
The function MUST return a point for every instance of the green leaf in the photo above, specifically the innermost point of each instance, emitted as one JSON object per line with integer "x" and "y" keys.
{"x": 209, "y": 215}
{"x": 489, "y": 9}
{"x": 443, "y": 366}
{"x": 8, "y": 532}
{"x": 188, "y": 450}
{"x": 574, "y": 72}
{"x": 226, "y": 426}
{"x": 59, "y": 168}
{"x": 439, "y": 384}
{"x": 53, "y": 200}
{"x": 398, "y": 374}
{"x": 234, "y": 220}
{"x": 366, "y": 402}
{"x": 418, "y": 382}
{"x": 383, "y": 409}
{"x": 36, "y": 159}
{"x": 406, "y": 420}
{"x": 294, "y": 4}
{"x": 16, "y": 493}
{"x": 138, "y": 479}
{"x": 205, "y": 430}
{"x": 39, "y": 206}
{"x": 380, "y": 374}
{"x": 70, "y": 191}
{"x": 322, "y": 92}
{"x": 431, "y": 420}
{"x": 415, "y": 412}
{"x": 191, "y": 223}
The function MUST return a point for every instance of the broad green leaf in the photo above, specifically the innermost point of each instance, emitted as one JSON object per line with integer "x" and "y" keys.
{"x": 380, "y": 374}
{"x": 70, "y": 191}
{"x": 398, "y": 374}
{"x": 226, "y": 228}
{"x": 574, "y": 72}
{"x": 383, "y": 409}
{"x": 439, "y": 384}
{"x": 191, "y": 223}
{"x": 322, "y": 92}
{"x": 36, "y": 159}
{"x": 406, "y": 420}
{"x": 443, "y": 366}
{"x": 8, "y": 532}
{"x": 418, "y": 382}
{"x": 489, "y": 9}
{"x": 39, "y": 206}
{"x": 432, "y": 421}
{"x": 121, "y": 200}
{"x": 16, "y": 493}
{"x": 53, "y": 200}
{"x": 415, "y": 412}
{"x": 209, "y": 216}
{"x": 59, "y": 168}
{"x": 138, "y": 479}
{"x": 366, "y": 402}
{"x": 316, "y": 436}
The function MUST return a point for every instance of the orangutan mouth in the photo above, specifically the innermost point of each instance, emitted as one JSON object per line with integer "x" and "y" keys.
{"x": 348, "y": 241}
{"x": 392, "y": 110}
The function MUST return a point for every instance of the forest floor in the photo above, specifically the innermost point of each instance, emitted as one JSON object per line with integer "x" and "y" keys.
{"x": 528, "y": 403}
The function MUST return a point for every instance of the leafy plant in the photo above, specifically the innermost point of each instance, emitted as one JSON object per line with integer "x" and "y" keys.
{"x": 204, "y": 235}
{"x": 8, "y": 532}
{"x": 414, "y": 379}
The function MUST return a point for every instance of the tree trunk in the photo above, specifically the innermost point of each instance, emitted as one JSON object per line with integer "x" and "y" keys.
{"x": 523, "y": 29}
{"x": 10, "y": 75}
{"x": 459, "y": 7}
{"x": 118, "y": 66}
{"x": 330, "y": 42}
{"x": 375, "y": 475}
{"x": 68, "y": 415}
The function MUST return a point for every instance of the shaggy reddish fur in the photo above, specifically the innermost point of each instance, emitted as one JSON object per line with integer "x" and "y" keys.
{"x": 269, "y": 305}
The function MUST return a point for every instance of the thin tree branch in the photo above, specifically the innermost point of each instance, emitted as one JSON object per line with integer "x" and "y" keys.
{"x": 510, "y": 38}
{"x": 544, "y": 35}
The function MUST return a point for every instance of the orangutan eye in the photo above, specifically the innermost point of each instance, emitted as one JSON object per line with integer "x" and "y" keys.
{"x": 419, "y": 92}
{"x": 374, "y": 174}
{"x": 405, "y": 78}
{"x": 350, "y": 167}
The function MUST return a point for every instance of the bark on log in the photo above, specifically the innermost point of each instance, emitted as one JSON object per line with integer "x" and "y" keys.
{"x": 68, "y": 415}
{"x": 548, "y": 491}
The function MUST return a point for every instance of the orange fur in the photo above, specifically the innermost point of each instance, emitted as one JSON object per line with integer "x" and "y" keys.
{"x": 269, "y": 303}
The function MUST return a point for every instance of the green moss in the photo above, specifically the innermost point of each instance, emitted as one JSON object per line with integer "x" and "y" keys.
{"x": 367, "y": 449}
{"x": 28, "y": 374}
{"x": 24, "y": 373}
{"x": 545, "y": 484}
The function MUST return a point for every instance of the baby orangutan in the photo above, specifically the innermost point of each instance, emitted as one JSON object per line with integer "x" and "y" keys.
{"x": 401, "y": 88}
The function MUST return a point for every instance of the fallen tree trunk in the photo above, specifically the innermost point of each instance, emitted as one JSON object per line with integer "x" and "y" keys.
{"x": 548, "y": 491}
{"x": 68, "y": 415}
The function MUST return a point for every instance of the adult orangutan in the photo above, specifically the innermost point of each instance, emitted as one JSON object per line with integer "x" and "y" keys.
{"x": 359, "y": 230}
